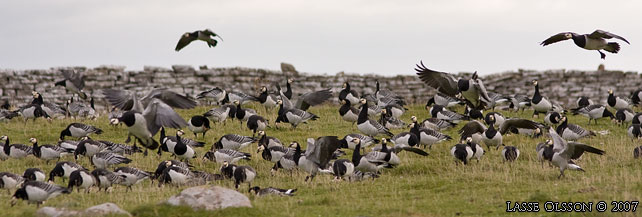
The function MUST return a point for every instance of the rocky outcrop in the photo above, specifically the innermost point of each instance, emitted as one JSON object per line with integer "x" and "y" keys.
{"x": 209, "y": 198}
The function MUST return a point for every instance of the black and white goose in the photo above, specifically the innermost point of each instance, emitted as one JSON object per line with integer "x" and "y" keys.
{"x": 175, "y": 175}
{"x": 48, "y": 152}
{"x": 34, "y": 174}
{"x": 317, "y": 155}
{"x": 436, "y": 124}
{"x": 198, "y": 124}
{"x": 16, "y": 150}
{"x": 347, "y": 112}
{"x": 290, "y": 160}
{"x": 552, "y": 118}
{"x": 69, "y": 144}
{"x": 131, "y": 176}
{"x": 233, "y": 142}
{"x": 395, "y": 110}
{"x": 443, "y": 100}
{"x": 10, "y": 181}
{"x": 268, "y": 141}
{"x": 405, "y": 139}
{"x": 271, "y": 191}
{"x": 102, "y": 160}
{"x": 243, "y": 174}
{"x": 594, "y": 112}
{"x": 442, "y": 113}
{"x": 519, "y": 101}
{"x": 593, "y": 41}
{"x": 521, "y": 126}
{"x": 342, "y": 169}
{"x": 88, "y": 147}
{"x": 257, "y": 123}
{"x": 565, "y": 152}
{"x": 33, "y": 110}
{"x": 637, "y": 152}
{"x": 617, "y": 102}
{"x": 6, "y": 115}
{"x": 81, "y": 179}
{"x": 52, "y": 110}
{"x": 478, "y": 151}
{"x": 389, "y": 121}
{"x": 497, "y": 99}
{"x": 241, "y": 97}
{"x": 636, "y": 97}
{"x": 367, "y": 126}
{"x": 462, "y": 152}
{"x": 105, "y": 178}
{"x": 220, "y": 114}
{"x": 347, "y": 93}
{"x": 168, "y": 143}
{"x": 428, "y": 137}
{"x": 81, "y": 110}
{"x": 370, "y": 162}
{"x": 545, "y": 151}
{"x": 182, "y": 150}
{"x": 583, "y": 101}
{"x": 538, "y": 102}
{"x": 492, "y": 137}
{"x": 79, "y": 130}
{"x": 624, "y": 115}
{"x": 288, "y": 88}
{"x": 165, "y": 164}
{"x": 634, "y": 131}
{"x": 498, "y": 118}
{"x": 294, "y": 116}
{"x": 274, "y": 153}
{"x": 74, "y": 82}
{"x": 38, "y": 192}
{"x": 205, "y": 35}
{"x": 222, "y": 155}
{"x": 243, "y": 114}
{"x": 365, "y": 141}
{"x": 510, "y": 153}
{"x": 63, "y": 169}
{"x": 268, "y": 100}
{"x": 473, "y": 129}
{"x": 120, "y": 148}
{"x": 472, "y": 90}
{"x": 216, "y": 94}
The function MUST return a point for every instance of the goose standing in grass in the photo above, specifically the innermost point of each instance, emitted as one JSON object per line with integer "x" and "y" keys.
{"x": 164, "y": 165}
{"x": 271, "y": 191}
{"x": 538, "y": 102}
{"x": 565, "y": 152}
{"x": 347, "y": 93}
{"x": 552, "y": 118}
{"x": 428, "y": 137}
{"x": 443, "y": 100}
{"x": 74, "y": 82}
{"x": 216, "y": 94}
{"x": 233, "y": 142}
{"x": 347, "y": 141}
{"x": 38, "y": 192}
{"x": 594, "y": 112}
{"x": 473, "y": 129}
{"x": 317, "y": 155}
{"x": 205, "y": 35}
{"x": 389, "y": 121}
{"x": 440, "y": 112}
{"x": 370, "y": 162}
{"x": 634, "y": 131}
{"x": 198, "y": 124}
{"x": 342, "y": 169}
{"x": 34, "y": 174}
{"x": 63, "y": 169}
{"x": 257, "y": 123}
{"x": 498, "y": 118}
{"x": 48, "y": 152}
{"x": 491, "y": 136}
{"x": 168, "y": 143}
{"x": 78, "y": 109}
{"x": 243, "y": 114}
{"x": 79, "y": 130}
{"x": 243, "y": 174}
{"x": 221, "y": 155}
{"x": 624, "y": 115}
{"x": 636, "y": 97}
{"x": 81, "y": 179}
{"x": 497, "y": 99}
{"x": 88, "y": 147}
{"x": 268, "y": 141}
{"x": 268, "y": 100}
{"x": 105, "y": 178}
{"x": 617, "y": 102}
{"x": 406, "y": 139}
{"x": 32, "y": 111}
{"x": 102, "y": 160}
{"x": 593, "y": 41}
{"x": 10, "y": 181}
{"x": 478, "y": 151}
{"x": 241, "y": 97}
{"x": 174, "y": 175}
{"x": 367, "y": 126}
{"x": 131, "y": 176}
{"x": 472, "y": 90}
{"x": 545, "y": 151}
{"x": 52, "y": 110}
{"x": 347, "y": 112}
{"x": 220, "y": 114}
{"x": 510, "y": 153}
{"x": 15, "y": 150}
{"x": 274, "y": 153}
{"x": 462, "y": 152}
{"x": 294, "y": 116}
{"x": 182, "y": 150}
{"x": 288, "y": 88}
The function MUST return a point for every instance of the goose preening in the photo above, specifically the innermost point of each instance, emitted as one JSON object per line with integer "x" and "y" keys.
{"x": 271, "y": 191}
{"x": 472, "y": 90}
{"x": 74, "y": 82}
{"x": 593, "y": 41}
{"x": 594, "y": 112}
{"x": 565, "y": 152}
{"x": 538, "y": 102}
{"x": 79, "y": 130}
{"x": 38, "y": 192}
{"x": 205, "y": 35}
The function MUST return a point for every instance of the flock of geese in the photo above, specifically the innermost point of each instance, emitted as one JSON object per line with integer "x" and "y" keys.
{"x": 373, "y": 114}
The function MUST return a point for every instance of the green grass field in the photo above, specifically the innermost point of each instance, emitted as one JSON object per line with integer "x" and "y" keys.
{"x": 420, "y": 186}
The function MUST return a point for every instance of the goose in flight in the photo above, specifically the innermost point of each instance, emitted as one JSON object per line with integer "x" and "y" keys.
{"x": 593, "y": 41}
{"x": 472, "y": 90}
{"x": 204, "y": 35}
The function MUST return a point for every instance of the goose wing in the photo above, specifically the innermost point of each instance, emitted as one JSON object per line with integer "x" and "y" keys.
{"x": 576, "y": 150}
{"x": 557, "y": 38}
{"x": 597, "y": 34}
{"x": 184, "y": 41}
{"x": 313, "y": 98}
{"x": 158, "y": 114}
{"x": 170, "y": 98}
{"x": 443, "y": 82}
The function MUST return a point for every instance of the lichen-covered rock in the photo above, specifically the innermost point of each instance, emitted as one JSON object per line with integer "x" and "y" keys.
{"x": 98, "y": 210}
{"x": 209, "y": 198}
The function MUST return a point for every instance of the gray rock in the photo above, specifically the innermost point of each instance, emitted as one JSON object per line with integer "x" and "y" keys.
{"x": 209, "y": 198}
{"x": 56, "y": 212}
{"x": 98, "y": 210}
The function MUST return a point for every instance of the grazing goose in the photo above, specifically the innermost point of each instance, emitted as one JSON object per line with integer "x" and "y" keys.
{"x": 47, "y": 152}
{"x": 63, "y": 169}
{"x": 220, "y": 114}
{"x": 520, "y": 101}
{"x": 371, "y": 162}
{"x": 34, "y": 174}
{"x": 257, "y": 123}
{"x": 10, "y": 181}
{"x": 182, "y": 150}
{"x": 594, "y": 112}
{"x": 274, "y": 153}
{"x": 435, "y": 123}
{"x": 348, "y": 94}
{"x": 617, "y": 102}
{"x": 69, "y": 144}
{"x": 294, "y": 116}
{"x": 552, "y": 118}
{"x": 472, "y": 90}
{"x": 443, "y": 100}
{"x": 593, "y": 41}
{"x": 358, "y": 176}
{"x": 198, "y": 124}
{"x": 131, "y": 176}
{"x": 565, "y": 151}
{"x": 473, "y": 129}
{"x": 268, "y": 141}
{"x": 367, "y": 126}
{"x": 572, "y": 131}
{"x": 538, "y": 102}
{"x": 233, "y": 142}
{"x": 271, "y": 191}
{"x": 81, "y": 179}
{"x": 38, "y": 192}
{"x": 478, "y": 151}
{"x": 521, "y": 126}
{"x": 6, "y": 115}
{"x": 88, "y": 147}
{"x": 79, "y": 130}
{"x": 405, "y": 139}
{"x": 217, "y": 94}
{"x": 545, "y": 151}
{"x": 175, "y": 175}
{"x": 474, "y": 114}
{"x": 428, "y": 137}
{"x": 342, "y": 169}
{"x": 583, "y": 101}
{"x": 510, "y": 153}
{"x": 440, "y": 112}
{"x": 102, "y": 160}
{"x": 462, "y": 152}
{"x": 168, "y": 143}
{"x": 221, "y": 155}
{"x": 105, "y": 178}
{"x": 74, "y": 82}
{"x": 268, "y": 100}
{"x": 637, "y": 152}
{"x": 317, "y": 155}
{"x": 389, "y": 121}
{"x": 634, "y": 131}
{"x": 244, "y": 174}
{"x": 636, "y": 97}
{"x": 347, "y": 112}
{"x": 624, "y": 115}
{"x": 52, "y": 110}
{"x": 16, "y": 150}
{"x": 165, "y": 164}
{"x": 347, "y": 141}
{"x": 205, "y": 35}
{"x": 228, "y": 170}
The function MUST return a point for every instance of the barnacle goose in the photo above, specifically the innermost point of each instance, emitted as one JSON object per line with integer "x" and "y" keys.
{"x": 244, "y": 174}
{"x": 552, "y": 118}
{"x": 593, "y": 41}
{"x": 405, "y": 139}
{"x": 52, "y": 110}
{"x": 81, "y": 179}
{"x": 274, "y": 153}
{"x": 389, "y": 121}
{"x": 519, "y": 101}
{"x": 545, "y": 151}
{"x": 33, "y": 111}
{"x": 47, "y": 152}
{"x": 217, "y": 94}
{"x": 102, "y": 160}
{"x": 306, "y": 100}
{"x": 233, "y": 142}
{"x": 221, "y": 114}
{"x": 241, "y": 97}
{"x": 435, "y": 123}
{"x": 74, "y": 81}
{"x": 617, "y": 102}
{"x": 636, "y": 97}
{"x": 317, "y": 155}
{"x": 268, "y": 100}
{"x": 79, "y": 130}
{"x": 119, "y": 148}
{"x": 88, "y": 147}
{"x": 8, "y": 115}
{"x": 164, "y": 165}
{"x": 583, "y": 101}
{"x": 181, "y": 149}
{"x": 288, "y": 88}
{"x": 69, "y": 144}
{"x": 342, "y": 169}
{"x": 498, "y": 118}
{"x": 474, "y": 114}
{"x": 257, "y": 123}
{"x": 538, "y": 102}
{"x": 34, "y": 174}
{"x": 473, "y": 129}
{"x": 496, "y": 99}
{"x": 462, "y": 152}
{"x": 15, "y": 150}
{"x": 624, "y": 115}
{"x": 268, "y": 141}
{"x": 360, "y": 176}
{"x": 428, "y": 137}
{"x": 510, "y": 153}
{"x": 565, "y": 151}
{"x": 347, "y": 141}
{"x": 105, "y": 178}
{"x": 349, "y": 94}
{"x": 168, "y": 143}
{"x": 478, "y": 151}
{"x": 634, "y": 130}
{"x": 198, "y": 124}
{"x": 205, "y": 35}
{"x": 492, "y": 137}
{"x": 271, "y": 191}
{"x": 367, "y": 126}
{"x": 371, "y": 162}
{"x": 384, "y": 93}
{"x": 131, "y": 176}
{"x": 38, "y": 192}
{"x": 637, "y": 152}
{"x": 294, "y": 116}
{"x": 347, "y": 112}
{"x": 243, "y": 114}
{"x": 63, "y": 169}
{"x": 290, "y": 160}
{"x": 440, "y": 112}
{"x": 175, "y": 175}
{"x": 443, "y": 100}
{"x": 594, "y": 112}
{"x": 10, "y": 181}
{"x": 78, "y": 109}
{"x": 221, "y": 155}
{"x": 472, "y": 90}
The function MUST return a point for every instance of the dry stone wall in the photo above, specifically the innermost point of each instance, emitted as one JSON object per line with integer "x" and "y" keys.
{"x": 560, "y": 86}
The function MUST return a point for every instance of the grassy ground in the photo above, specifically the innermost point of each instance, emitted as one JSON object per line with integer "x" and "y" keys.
{"x": 421, "y": 186}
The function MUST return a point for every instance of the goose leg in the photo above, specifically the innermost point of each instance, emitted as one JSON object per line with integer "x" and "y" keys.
{"x": 602, "y": 55}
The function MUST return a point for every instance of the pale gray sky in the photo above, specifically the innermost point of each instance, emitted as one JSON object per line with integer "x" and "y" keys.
{"x": 369, "y": 36}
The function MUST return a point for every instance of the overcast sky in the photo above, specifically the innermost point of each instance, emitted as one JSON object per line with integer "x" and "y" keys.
{"x": 329, "y": 36}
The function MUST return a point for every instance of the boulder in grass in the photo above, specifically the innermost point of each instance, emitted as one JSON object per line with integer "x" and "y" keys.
{"x": 209, "y": 198}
